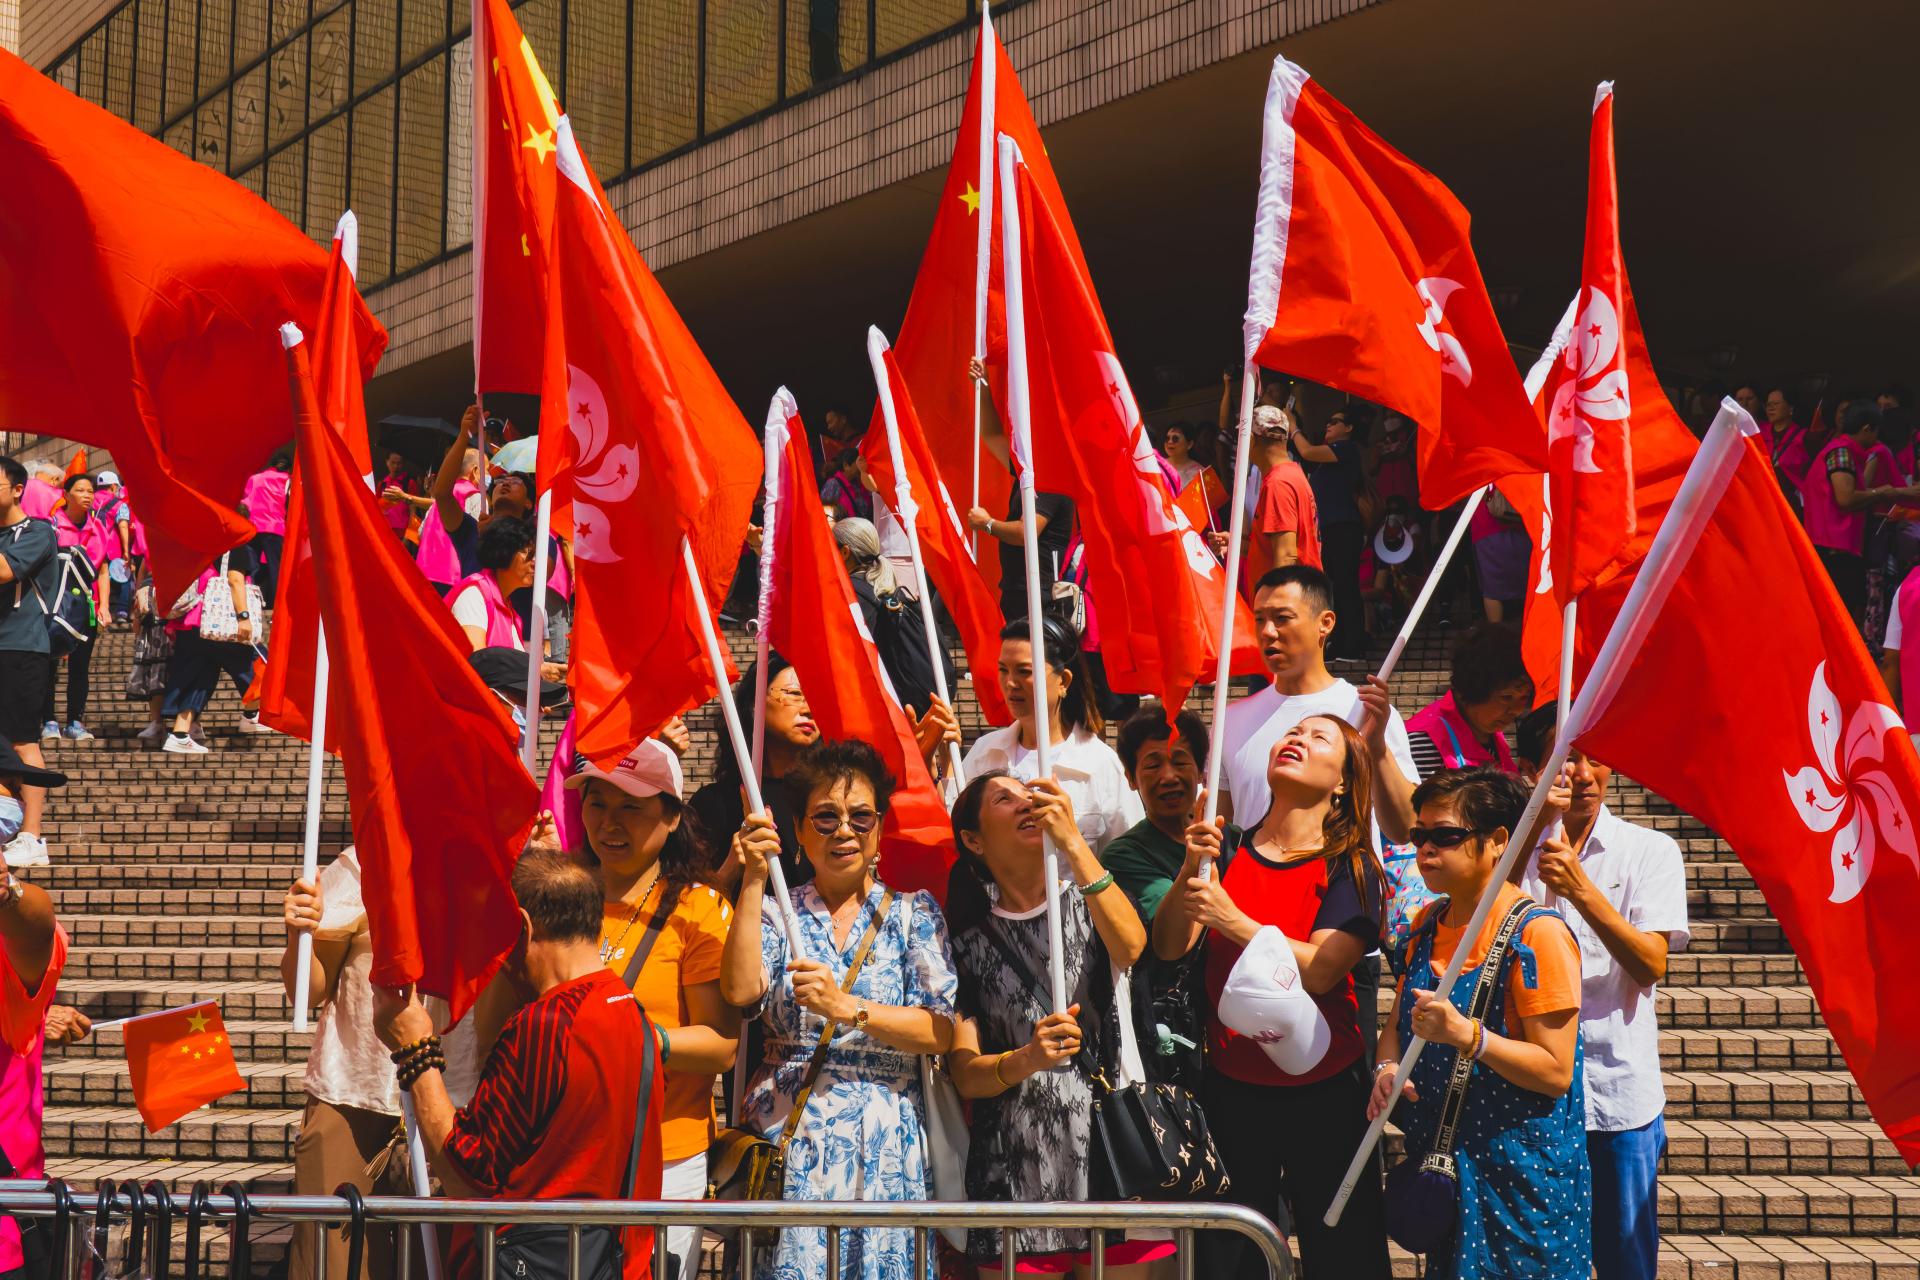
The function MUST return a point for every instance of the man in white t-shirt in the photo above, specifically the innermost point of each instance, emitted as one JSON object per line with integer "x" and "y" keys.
{"x": 1622, "y": 889}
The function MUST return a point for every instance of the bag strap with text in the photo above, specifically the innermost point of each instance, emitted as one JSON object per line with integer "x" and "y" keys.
{"x": 820, "y": 1050}
{"x": 1477, "y": 1008}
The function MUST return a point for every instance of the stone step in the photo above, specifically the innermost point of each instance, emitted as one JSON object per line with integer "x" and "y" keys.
{"x": 1745, "y": 936}
{"x": 179, "y": 963}
{"x": 1792, "y": 1205}
{"x": 1727, "y": 903}
{"x": 266, "y": 1040}
{"x": 1757, "y": 1048}
{"x": 1856, "y": 1147}
{"x": 1737, "y": 1007}
{"x": 260, "y": 1178}
{"x": 1763, "y": 1095}
{"x": 264, "y": 903}
{"x": 1726, "y": 969}
{"x": 162, "y": 876}
{"x": 1775, "y": 1257}
{"x": 227, "y": 853}
{"x": 174, "y": 931}
{"x": 103, "y": 1082}
{"x": 103, "y": 999}
{"x": 212, "y": 1133}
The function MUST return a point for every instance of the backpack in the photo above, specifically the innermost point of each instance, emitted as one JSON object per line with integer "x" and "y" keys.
{"x": 900, "y": 636}
{"x": 71, "y": 620}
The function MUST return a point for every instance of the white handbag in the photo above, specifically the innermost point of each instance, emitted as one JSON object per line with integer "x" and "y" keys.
{"x": 948, "y": 1138}
{"x": 218, "y": 621}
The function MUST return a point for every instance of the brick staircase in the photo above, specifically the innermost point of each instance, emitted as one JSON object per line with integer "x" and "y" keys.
{"x": 168, "y": 872}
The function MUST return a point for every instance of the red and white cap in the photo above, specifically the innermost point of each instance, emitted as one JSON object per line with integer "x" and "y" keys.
{"x": 1265, "y": 1000}
{"x": 651, "y": 769}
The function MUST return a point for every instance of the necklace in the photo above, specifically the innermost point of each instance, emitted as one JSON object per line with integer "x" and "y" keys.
{"x": 614, "y": 948}
{"x": 1283, "y": 853}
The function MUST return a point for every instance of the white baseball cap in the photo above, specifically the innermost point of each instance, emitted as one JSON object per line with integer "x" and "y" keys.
{"x": 651, "y": 769}
{"x": 1266, "y": 1000}
{"x": 107, "y": 478}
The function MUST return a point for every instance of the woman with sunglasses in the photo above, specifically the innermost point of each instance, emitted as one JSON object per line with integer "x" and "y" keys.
{"x": 1104, "y": 802}
{"x": 862, "y": 1134}
{"x": 1309, "y": 869}
{"x": 1520, "y": 1144}
{"x": 1012, "y": 1052}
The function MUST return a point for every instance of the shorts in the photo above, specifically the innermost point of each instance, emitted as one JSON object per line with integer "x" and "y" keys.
{"x": 26, "y": 681}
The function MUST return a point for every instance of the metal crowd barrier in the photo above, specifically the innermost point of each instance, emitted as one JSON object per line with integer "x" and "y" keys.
{"x": 82, "y": 1225}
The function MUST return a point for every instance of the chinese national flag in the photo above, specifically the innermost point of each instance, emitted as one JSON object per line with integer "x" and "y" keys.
{"x": 629, "y": 397}
{"x": 1587, "y": 397}
{"x": 815, "y": 623}
{"x": 1798, "y": 762}
{"x": 1204, "y": 495}
{"x": 179, "y": 1061}
{"x": 140, "y": 300}
{"x": 936, "y": 338}
{"x": 441, "y": 804}
{"x": 347, "y": 344}
{"x": 1363, "y": 279}
{"x": 1158, "y": 589}
{"x": 518, "y": 120}
{"x": 944, "y": 543}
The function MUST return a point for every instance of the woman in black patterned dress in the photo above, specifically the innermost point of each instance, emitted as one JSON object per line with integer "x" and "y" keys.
{"x": 1012, "y": 1054}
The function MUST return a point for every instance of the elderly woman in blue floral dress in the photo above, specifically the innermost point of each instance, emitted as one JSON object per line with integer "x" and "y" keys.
{"x": 863, "y": 1134}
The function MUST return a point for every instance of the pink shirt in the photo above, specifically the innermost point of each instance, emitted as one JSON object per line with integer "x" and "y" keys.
{"x": 1827, "y": 524}
{"x": 399, "y": 514}
{"x": 92, "y": 536}
{"x": 436, "y": 556}
{"x": 503, "y": 624}
{"x": 22, "y": 1023}
{"x": 40, "y": 498}
{"x": 1905, "y": 621}
{"x": 266, "y": 499}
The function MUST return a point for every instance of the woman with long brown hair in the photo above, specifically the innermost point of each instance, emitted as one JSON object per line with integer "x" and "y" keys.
{"x": 1309, "y": 870}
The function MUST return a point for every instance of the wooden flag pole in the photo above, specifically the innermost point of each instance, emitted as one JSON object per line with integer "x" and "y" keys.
{"x": 1020, "y": 408}
{"x": 907, "y": 512}
{"x": 789, "y": 921}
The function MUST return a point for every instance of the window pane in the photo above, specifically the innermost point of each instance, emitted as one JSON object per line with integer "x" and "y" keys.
{"x": 326, "y": 177}
{"x": 93, "y": 65}
{"x": 147, "y": 86}
{"x": 216, "y": 43}
{"x": 423, "y": 162}
{"x": 254, "y": 179}
{"x": 180, "y": 136}
{"x": 180, "y": 50}
{"x": 373, "y": 47}
{"x": 540, "y": 24}
{"x": 210, "y": 132}
{"x": 665, "y": 43}
{"x": 284, "y": 18}
{"x": 825, "y": 38}
{"x": 460, "y": 149}
{"x": 596, "y": 89}
{"x": 249, "y": 117}
{"x": 287, "y": 181}
{"x": 67, "y": 74}
{"x": 371, "y": 192}
{"x": 287, "y": 92}
{"x": 742, "y": 44}
{"x": 423, "y": 26}
{"x": 250, "y": 32}
{"x": 119, "y": 72}
{"x": 330, "y": 64}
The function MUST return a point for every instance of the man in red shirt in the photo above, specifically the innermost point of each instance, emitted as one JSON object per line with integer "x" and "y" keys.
{"x": 1286, "y": 521}
{"x": 554, "y": 1114}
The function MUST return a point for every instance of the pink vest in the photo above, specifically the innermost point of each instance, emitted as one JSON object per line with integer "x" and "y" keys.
{"x": 503, "y": 624}
{"x": 92, "y": 537}
{"x": 1906, "y": 602}
{"x": 436, "y": 556}
{"x": 1454, "y": 738}
{"x": 1827, "y": 524}
{"x": 266, "y": 499}
{"x": 399, "y": 514}
{"x": 40, "y": 498}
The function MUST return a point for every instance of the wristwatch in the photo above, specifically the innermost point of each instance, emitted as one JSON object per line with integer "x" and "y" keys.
{"x": 243, "y": 615}
{"x": 860, "y": 1015}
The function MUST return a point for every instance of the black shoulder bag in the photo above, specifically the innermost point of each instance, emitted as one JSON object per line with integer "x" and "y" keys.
{"x": 539, "y": 1252}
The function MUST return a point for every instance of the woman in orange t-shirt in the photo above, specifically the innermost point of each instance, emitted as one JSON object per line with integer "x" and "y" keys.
{"x": 1519, "y": 1147}
{"x": 662, "y": 933}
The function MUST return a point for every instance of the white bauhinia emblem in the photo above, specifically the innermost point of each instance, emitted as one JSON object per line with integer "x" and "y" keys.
{"x": 1546, "y": 536}
{"x": 1595, "y": 386}
{"x": 1434, "y": 292}
{"x": 603, "y": 473}
{"x": 1162, "y": 514}
{"x": 1847, "y": 790}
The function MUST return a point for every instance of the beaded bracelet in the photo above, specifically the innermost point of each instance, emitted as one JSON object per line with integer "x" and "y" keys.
{"x": 415, "y": 1054}
{"x": 425, "y": 1044}
{"x": 410, "y": 1075}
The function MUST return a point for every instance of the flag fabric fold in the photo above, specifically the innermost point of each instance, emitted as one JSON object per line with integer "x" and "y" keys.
{"x": 1363, "y": 279}
{"x": 629, "y": 395}
{"x": 1809, "y": 774}
{"x": 178, "y": 1060}
{"x": 440, "y": 803}
{"x": 143, "y": 318}
{"x": 815, "y": 622}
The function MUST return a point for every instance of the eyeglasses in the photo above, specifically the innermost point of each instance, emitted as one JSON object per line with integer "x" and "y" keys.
{"x": 827, "y": 822}
{"x": 792, "y": 697}
{"x": 1440, "y": 837}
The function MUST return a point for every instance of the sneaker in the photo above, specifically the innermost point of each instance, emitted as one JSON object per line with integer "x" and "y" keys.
{"x": 251, "y": 724}
{"x": 153, "y": 730}
{"x": 77, "y": 732}
{"x": 50, "y": 731}
{"x": 26, "y": 850}
{"x": 177, "y": 745}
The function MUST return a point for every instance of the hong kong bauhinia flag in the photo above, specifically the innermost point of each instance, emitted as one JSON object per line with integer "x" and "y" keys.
{"x": 1797, "y": 761}
{"x": 643, "y": 444}
{"x": 1363, "y": 278}
{"x": 962, "y": 259}
{"x": 815, "y": 623}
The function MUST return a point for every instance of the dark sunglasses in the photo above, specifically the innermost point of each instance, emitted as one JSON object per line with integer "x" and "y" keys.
{"x": 827, "y": 822}
{"x": 1440, "y": 837}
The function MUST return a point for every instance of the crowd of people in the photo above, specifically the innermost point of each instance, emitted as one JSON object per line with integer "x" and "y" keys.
{"x": 870, "y": 1044}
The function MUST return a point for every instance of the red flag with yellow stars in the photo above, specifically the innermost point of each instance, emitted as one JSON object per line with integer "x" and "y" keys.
{"x": 180, "y": 1060}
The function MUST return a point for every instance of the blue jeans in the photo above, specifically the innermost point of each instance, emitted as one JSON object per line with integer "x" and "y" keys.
{"x": 1626, "y": 1227}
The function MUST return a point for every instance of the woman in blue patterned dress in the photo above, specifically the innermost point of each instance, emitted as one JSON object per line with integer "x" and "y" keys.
{"x": 1520, "y": 1146}
{"x": 863, "y": 1134}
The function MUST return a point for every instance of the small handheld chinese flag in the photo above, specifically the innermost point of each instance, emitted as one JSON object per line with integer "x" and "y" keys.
{"x": 180, "y": 1060}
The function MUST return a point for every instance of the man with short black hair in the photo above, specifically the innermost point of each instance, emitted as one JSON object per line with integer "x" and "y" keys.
{"x": 28, "y": 572}
{"x": 555, "y": 1112}
{"x": 1164, "y": 764}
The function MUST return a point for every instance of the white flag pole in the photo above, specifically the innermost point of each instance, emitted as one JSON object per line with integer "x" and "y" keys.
{"x": 1434, "y": 574}
{"x": 1673, "y": 545}
{"x": 422, "y": 1184}
{"x": 536, "y": 642}
{"x": 1223, "y": 664}
{"x": 1019, "y": 407}
{"x": 984, "y": 75}
{"x": 789, "y": 921}
{"x": 907, "y": 512}
{"x": 310, "y": 844}
{"x": 773, "y": 443}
